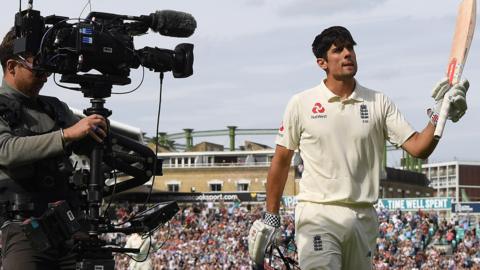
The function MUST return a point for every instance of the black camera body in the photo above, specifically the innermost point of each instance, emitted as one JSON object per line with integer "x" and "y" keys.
{"x": 103, "y": 42}
{"x": 68, "y": 50}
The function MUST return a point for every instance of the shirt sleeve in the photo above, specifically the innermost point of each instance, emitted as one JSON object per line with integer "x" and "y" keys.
{"x": 396, "y": 128}
{"x": 290, "y": 131}
{"x": 18, "y": 151}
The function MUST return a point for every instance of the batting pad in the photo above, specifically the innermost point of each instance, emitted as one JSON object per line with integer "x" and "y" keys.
{"x": 258, "y": 238}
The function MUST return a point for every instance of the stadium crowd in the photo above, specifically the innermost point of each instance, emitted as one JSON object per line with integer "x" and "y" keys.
{"x": 208, "y": 236}
{"x": 215, "y": 237}
{"x": 199, "y": 237}
{"x": 425, "y": 240}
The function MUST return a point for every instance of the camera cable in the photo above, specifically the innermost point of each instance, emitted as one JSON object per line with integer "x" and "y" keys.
{"x": 156, "y": 138}
{"x": 89, "y": 3}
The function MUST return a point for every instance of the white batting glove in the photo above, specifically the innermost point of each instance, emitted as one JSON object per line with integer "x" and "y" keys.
{"x": 456, "y": 94}
{"x": 262, "y": 234}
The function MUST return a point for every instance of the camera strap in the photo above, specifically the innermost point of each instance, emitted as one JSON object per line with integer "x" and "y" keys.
{"x": 10, "y": 111}
{"x": 54, "y": 108}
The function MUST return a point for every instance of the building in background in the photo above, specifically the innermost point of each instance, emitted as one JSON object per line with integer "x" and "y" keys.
{"x": 456, "y": 179}
{"x": 246, "y": 171}
{"x": 221, "y": 171}
{"x": 212, "y": 168}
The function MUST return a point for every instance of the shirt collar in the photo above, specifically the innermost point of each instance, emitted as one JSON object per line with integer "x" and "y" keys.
{"x": 10, "y": 91}
{"x": 356, "y": 96}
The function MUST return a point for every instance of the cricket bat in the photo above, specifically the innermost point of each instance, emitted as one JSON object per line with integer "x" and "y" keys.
{"x": 462, "y": 38}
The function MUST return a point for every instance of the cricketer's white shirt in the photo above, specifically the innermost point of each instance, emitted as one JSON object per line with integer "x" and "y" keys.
{"x": 341, "y": 142}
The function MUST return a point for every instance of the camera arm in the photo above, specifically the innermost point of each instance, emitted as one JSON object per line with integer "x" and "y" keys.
{"x": 141, "y": 165}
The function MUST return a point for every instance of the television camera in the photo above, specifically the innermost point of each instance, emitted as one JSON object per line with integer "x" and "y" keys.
{"x": 102, "y": 42}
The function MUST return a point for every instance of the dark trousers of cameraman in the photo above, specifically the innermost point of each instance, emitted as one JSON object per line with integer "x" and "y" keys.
{"x": 18, "y": 253}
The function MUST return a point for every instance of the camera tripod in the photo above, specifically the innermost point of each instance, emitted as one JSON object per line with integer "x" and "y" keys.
{"x": 92, "y": 252}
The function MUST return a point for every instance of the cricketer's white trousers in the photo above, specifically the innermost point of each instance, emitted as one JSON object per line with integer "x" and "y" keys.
{"x": 335, "y": 237}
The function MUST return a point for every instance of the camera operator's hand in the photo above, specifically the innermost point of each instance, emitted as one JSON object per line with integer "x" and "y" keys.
{"x": 262, "y": 233}
{"x": 94, "y": 125}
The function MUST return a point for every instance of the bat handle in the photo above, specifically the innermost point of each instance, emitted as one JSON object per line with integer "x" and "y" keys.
{"x": 442, "y": 118}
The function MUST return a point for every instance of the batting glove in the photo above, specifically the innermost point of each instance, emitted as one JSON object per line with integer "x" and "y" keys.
{"x": 262, "y": 233}
{"x": 456, "y": 94}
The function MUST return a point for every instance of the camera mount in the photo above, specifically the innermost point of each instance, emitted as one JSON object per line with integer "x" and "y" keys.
{"x": 92, "y": 251}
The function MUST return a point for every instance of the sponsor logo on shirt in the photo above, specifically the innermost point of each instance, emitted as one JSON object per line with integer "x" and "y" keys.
{"x": 281, "y": 130}
{"x": 318, "y": 108}
{"x": 318, "y": 111}
{"x": 364, "y": 113}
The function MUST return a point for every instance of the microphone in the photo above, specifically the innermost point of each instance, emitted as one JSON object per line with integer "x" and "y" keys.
{"x": 172, "y": 23}
{"x": 166, "y": 22}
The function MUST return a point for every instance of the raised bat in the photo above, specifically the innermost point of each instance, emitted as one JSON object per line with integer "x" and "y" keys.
{"x": 465, "y": 26}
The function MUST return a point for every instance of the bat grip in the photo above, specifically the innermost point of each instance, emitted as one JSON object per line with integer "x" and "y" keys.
{"x": 442, "y": 117}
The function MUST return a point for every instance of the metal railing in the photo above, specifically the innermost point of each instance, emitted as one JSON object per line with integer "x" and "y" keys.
{"x": 211, "y": 165}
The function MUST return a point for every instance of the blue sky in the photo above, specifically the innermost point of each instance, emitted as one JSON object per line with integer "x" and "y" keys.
{"x": 251, "y": 56}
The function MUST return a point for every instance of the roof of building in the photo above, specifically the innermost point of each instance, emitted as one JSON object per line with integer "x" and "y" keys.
{"x": 453, "y": 162}
{"x": 406, "y": 177}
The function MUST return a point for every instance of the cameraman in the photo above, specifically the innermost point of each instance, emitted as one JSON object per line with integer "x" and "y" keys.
{"x": 36, "y": 135}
